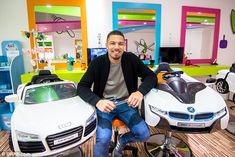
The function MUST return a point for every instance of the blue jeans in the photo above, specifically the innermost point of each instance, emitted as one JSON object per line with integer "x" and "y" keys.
{"x": 139, "y": 131}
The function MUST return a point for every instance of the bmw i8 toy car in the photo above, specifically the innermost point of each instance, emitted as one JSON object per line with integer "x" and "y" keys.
{"x": 180, "y": 103}
{"x": 226, "y": 81}
{"x": 225, "y": 84}
{"x": 49, "y": 118}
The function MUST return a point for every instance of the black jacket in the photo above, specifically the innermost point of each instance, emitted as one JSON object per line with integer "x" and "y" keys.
{"x": 98, "y": 72}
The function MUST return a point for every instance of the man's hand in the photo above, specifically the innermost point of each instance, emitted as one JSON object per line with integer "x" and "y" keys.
{"x": 105, "y": 105}
{"x": 135, "y": 99}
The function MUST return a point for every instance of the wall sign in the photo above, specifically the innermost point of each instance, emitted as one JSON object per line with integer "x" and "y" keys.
{"x": 11, "y": 49}
{"x": 233, "y": 20}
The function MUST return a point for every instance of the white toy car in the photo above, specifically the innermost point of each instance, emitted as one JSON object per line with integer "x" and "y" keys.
{"x": 49, "y": 118}
{"x": 181, "y": 104}
{"x": 226, "y": 84}
{"x": 226, "y": 81}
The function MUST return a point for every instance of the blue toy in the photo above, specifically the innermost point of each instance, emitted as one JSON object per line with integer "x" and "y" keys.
{"x": 70, "y": 63}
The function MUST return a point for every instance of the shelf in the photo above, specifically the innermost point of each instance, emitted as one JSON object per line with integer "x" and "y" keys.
{"x": 5, "y": 68}
{"x": 6, "y": 91}
{"x": 4, "y": 108}
{"x": 11, "y": 67}
{"x": 5, "y": 116}
{"x": 54, "y": 26}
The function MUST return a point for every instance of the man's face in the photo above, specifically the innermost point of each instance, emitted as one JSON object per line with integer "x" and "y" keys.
{"x": 115, "y": 46}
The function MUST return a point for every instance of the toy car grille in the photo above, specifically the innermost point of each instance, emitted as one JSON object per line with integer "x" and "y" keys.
{"x": 204, "y": 116}
{"x": 90, "y": 127}
{"x": 31, "y": 147}
{"x": 181, "y": 116}
{"x": 64, "y": 138}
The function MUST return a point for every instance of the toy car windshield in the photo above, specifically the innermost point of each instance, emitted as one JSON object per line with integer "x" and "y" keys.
{"x": 48, "y": 93}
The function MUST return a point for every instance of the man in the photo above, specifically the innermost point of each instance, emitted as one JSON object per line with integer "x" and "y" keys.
{"x": 115, "y": 75}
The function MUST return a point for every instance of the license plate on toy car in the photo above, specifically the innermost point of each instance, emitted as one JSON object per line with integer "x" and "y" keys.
{"x": 191, "y": 125}
{"x": 65, "y": 139}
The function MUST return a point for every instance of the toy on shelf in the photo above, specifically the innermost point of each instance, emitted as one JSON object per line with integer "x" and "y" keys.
{"x": 70, "y": 63}
{"x": 36, "y": 51}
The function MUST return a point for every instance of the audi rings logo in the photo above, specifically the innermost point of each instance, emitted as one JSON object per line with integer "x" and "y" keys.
{"x": 64, "y": 125}
{"x": 191, "y": 109}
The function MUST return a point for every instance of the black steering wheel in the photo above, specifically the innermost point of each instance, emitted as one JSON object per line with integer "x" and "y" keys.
{"x": 171, "y": 74}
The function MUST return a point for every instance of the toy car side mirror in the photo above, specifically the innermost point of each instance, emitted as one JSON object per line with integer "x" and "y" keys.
{"x": 12, "y": 98}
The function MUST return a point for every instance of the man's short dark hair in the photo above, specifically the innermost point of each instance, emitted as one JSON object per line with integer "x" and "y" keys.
{"x": 115, "y": 32}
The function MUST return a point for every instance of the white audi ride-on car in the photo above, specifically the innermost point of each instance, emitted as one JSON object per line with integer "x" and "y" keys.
{"x": 49, "y": 118}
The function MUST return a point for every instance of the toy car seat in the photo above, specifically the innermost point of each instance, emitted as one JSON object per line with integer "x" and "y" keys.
{"x": 44, "y": 76}
{"x": 162, "y": 68}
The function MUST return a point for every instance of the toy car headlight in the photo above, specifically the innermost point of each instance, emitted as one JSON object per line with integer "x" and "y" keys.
{"x": 220, "y": 112}
{"x": 26, "y": 137}
{"x": 91, "y": 118}
{"x": 157, "y": 110}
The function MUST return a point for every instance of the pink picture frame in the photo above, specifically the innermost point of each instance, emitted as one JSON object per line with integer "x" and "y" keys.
{"x": 186, "y": 9}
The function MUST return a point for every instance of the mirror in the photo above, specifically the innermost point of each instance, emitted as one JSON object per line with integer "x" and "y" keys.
{"x": 199, "y": 34}
{"x": 63, "y": 26}
{"x": 140, "y": 24}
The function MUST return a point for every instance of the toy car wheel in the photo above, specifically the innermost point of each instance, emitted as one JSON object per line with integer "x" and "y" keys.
{"x": 222, "y": 86}
{"x": 155, "y": 146}
{"x": 10, "y": 143}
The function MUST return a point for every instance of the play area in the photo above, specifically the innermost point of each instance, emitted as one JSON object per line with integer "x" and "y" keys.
{"x": 64, "y": 79}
